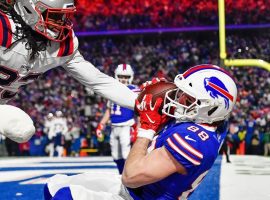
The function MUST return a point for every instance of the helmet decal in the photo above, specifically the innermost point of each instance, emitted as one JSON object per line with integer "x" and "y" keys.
{"x": 216, "y": 89}
{"x": 197, "y": 68}
{"x": 124, "y": 66}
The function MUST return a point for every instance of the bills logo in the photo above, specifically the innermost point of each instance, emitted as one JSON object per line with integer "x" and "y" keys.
{"x": 217, "y": 89}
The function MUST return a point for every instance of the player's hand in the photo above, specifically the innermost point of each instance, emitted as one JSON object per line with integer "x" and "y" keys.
{"x": 133, "y": 133}
{"x": 153, "y": 81}
{"x": 99, "y": 130}
{"x": 150, "y": 118}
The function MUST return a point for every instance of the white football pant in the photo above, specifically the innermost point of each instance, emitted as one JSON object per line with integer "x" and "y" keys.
{"x": 88, "y": 186}
{"x": 120, "y": 142}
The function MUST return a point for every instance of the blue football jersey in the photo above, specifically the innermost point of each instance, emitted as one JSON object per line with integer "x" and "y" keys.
{"x": 119, "y": 114}
{"x": 193, "y": 146}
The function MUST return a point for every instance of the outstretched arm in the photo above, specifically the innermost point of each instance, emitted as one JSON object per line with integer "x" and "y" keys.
{"x": 101, "y": 83}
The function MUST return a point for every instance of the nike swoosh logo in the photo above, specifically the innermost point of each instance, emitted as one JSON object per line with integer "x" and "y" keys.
{"x": 150, "y": 119}
{"x": 189, "y": 138}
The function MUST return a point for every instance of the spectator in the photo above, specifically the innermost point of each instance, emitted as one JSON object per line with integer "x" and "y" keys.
{"x": 266, "y": 140}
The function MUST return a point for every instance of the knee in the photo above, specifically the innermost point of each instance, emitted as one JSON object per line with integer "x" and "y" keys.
{"x": 16, "y": 124}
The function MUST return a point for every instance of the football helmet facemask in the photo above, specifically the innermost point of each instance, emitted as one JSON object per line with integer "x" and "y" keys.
{"x": 205, "y": 94}
{"x": 124, "y": 73}
{"x": 51, "y": 18}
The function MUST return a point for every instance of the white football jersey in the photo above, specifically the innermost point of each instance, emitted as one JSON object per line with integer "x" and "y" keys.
{"x": 16, "y": 68}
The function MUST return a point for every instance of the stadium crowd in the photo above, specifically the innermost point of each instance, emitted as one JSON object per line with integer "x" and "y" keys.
{"x": 100, "y": 15}
{"x": 161, "y": 56}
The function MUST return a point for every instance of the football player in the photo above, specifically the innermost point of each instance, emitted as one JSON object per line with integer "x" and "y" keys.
{"x": 180, "y": 155}
{"x": 122, "y": 120}
{"x": 36, "y": 36}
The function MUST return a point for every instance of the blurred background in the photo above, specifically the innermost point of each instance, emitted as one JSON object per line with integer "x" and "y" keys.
{"x": 158, "y": 38}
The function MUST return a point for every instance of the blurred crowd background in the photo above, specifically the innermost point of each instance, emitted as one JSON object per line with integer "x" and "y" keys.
{"x": 151, "y": 55}
{"x": 133, "y": 14}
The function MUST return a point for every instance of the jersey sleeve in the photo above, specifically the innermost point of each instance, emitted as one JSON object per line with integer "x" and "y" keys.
{"x": 185, "y": 151}
{"x": 102, "y": 84}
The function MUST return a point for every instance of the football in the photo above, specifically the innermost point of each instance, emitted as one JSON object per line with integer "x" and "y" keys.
{"x": 158, "y": 89}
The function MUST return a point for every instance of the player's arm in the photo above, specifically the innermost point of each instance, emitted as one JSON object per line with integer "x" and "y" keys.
{"x": 105, "y": 117}
{"x": 102, "y": 84}
{"x": 103, "y": 121}
{"x": 142, "y": 168}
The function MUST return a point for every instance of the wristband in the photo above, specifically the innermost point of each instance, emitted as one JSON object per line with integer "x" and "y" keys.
{"x": 149, "y": 134}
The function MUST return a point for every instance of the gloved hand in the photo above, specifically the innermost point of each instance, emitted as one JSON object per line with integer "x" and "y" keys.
{"x": 99, "y": 130}
{"x": 150, "y": 118}
{"x": 153, "y": 81}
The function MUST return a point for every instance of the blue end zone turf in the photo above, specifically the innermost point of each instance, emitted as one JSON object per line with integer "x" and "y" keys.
{"x": 207, "y": 190}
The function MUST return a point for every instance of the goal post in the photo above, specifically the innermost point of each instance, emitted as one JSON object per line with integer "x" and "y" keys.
{"x": 222, "y": 45}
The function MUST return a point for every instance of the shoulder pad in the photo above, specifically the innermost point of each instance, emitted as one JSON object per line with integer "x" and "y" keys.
{"x": 5, "y": 31}
{"x": 68, "y": 46}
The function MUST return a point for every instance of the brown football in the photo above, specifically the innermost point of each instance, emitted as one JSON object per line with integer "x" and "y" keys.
{"x": 157, "y": 90}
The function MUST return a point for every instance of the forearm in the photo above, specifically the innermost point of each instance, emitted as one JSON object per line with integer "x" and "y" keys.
{"x": 135, "y": 162}
{"x": 102, "y": 84}
{"x": 106, "y": 117}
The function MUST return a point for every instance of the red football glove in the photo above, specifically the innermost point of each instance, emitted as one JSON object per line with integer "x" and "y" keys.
{"x": 99, "y": 130}
{"x": 150, "y": 118}
{"x": 153, "y": 81}
{"x": 133, "y": 133}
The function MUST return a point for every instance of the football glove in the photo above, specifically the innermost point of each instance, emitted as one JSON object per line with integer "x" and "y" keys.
{"x": 150, "y": 119}
{"x": 99, "y": 130}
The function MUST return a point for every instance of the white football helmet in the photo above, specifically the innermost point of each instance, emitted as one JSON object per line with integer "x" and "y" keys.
{"x": 59, "y": 113}
{"x": 50, "y": 116}
{"x": 124, "y": 73}
{"x": 50, "y": 18}
{"x": 205, "y": 94}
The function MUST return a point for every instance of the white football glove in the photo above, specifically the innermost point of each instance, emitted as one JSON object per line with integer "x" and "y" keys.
{"x": 15, "y": 124}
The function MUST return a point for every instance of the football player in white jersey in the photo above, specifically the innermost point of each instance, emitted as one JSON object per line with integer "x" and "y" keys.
{"x": 122, "y": 120}
{"x": 36, "y": 36}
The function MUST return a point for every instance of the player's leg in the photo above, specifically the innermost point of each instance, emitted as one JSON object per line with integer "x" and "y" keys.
{"x": 99, "y": 182}
{"x": 115, "y": 148}
{"x": 76, "y": 192}
{"x": 266, "y": 149}
{"x": 125, "y": 141}
{"x": 15, "y": 124}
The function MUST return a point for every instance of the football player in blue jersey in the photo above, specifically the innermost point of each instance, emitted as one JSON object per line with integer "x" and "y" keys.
{"x": 122, "y": 120}
{"x": 167, "y": 164}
